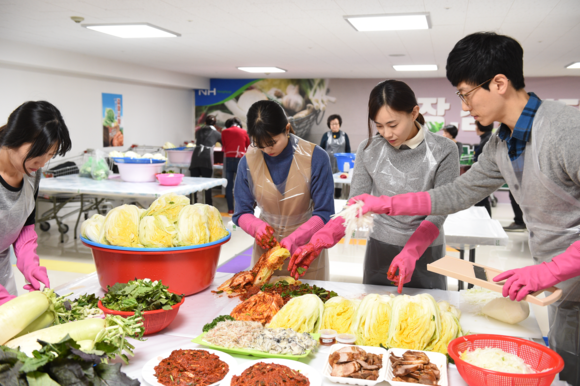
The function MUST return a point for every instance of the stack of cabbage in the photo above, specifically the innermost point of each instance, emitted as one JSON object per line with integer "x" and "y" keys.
{"x": 410, "y": 322}
{"x": 169, "y": 222}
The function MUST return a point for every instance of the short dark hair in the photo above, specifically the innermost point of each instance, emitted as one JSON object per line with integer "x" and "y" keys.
{"x": 332, "y": 118}
{"x": 452, "y": 130}
{"x": 395, "y": 94}
{"x": 266, "y": 119}
{"x": 483, "y": 55}
{"x": 38, "y": 123}
{"x": 210, "y": 120}
{"x": 233, "y": 121}
{"x": 485, "y": 129}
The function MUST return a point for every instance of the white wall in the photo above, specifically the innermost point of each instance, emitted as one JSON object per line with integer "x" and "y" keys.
{"x": 152, "y": 115}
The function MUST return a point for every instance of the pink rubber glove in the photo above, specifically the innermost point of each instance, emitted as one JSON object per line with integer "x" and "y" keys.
{"x": 405, "y": 261}
{"x": 27, "y": 260}
{"x": 258, "y": 229}
{"x": 327, "y": 237}
{"x": 303, "y": 234}
{"x": 407, "y": 204}
{"x": 523, "y": 281}
{"x": 5, "y": 295}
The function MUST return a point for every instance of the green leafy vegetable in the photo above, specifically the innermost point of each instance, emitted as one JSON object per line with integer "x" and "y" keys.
{"x": 301, "y": 270}
{"x": 140, "y": 295}
{"x": 61, "y": 363}
{"x": 221, "y": 318}
{"x": 86, "y": 306}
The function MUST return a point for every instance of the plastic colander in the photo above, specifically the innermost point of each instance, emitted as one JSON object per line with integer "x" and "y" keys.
{"x": 539, "y": 357}
{"x": 153, "y": 321}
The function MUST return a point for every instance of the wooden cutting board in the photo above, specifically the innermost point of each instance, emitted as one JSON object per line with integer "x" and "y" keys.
{"x": 464, "y": 270}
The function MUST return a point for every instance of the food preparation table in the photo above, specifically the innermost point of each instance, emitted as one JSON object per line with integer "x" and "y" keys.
{"x": 203, "y": 307}
{"x": 73, "y": 186}
{"x": 465, "y": 230}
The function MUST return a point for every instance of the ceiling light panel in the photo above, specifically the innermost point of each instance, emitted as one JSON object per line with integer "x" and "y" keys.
{"x": 261, "y": 70}
{"x": 402, "y": 22}
{"x": 416, "y": 67}
{"x": 132, "y": 30}
{"x": 573, "y": 66}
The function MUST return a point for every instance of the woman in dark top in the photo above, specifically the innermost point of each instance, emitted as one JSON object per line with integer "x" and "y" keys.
{"x": 34, "y": 134}
{"x": 202, "y": 159}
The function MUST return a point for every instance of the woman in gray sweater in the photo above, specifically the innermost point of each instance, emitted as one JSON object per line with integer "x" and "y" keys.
{"x": 401, "y": 157}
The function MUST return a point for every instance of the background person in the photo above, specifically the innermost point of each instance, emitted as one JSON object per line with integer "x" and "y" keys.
{"x": 484, "y": 133}
{"x": 235, "y": 142}
{"x": 34, "y": 134}
{"x": 450, "y": 131}
{"x": 202, "y": 159}
{"x": 291, "y": 182}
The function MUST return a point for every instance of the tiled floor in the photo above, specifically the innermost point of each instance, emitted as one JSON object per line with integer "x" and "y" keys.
{"x": 69, "y": 260}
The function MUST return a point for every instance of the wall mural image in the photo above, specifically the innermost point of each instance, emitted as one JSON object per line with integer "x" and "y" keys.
{"x": 112, "y": 120}
{"x": 304, "y": 100}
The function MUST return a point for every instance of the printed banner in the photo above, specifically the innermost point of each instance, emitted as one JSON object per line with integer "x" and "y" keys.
{"x": 303, "y": 100}
{"x": 112, "y": 120}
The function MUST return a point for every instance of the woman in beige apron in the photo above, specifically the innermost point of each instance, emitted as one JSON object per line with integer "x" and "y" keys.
{"x": 290, "y": 180}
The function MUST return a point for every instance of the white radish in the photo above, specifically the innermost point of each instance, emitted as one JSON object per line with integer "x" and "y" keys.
{"x": 43, "y": 321}
{"x": 87, "y": 329}
{"x": 19, "y": 312}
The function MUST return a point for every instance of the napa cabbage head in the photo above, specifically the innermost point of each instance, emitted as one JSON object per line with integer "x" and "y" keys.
{"x": 156, "y": 232}
{"x": 339, "y": 314}
{"x": 121, "y": 227}
{"x": 217, "y": 230}
{"x": 192, "y": 226}
{"x": 302, "y": 314}
{"x": 415, "y": 322}
{"x": 450, "y": 329}
{"x": 371, "y": 323}
{"x": 91, "y": 228}
{"x": 169, "y": 205}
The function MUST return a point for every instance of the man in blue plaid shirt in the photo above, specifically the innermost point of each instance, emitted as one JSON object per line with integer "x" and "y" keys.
{"x": 536, "y": 153}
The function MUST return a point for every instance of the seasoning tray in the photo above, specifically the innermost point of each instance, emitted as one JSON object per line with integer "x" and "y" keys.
{"x": 353, "y": 381}
{"x": 464, "y": 271}
{"x": 148, "y": 371}
{"x": 436, "y": 358}
{"x": 304, "y": 369}
{"x": 199, "y": 340}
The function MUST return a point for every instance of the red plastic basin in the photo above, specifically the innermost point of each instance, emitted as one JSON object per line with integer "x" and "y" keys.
{"x": 186, "y": 270}
{"x": 153, "y": 321}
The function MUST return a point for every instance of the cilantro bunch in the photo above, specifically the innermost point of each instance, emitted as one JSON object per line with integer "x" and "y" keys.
{"x": 140, "y": 295}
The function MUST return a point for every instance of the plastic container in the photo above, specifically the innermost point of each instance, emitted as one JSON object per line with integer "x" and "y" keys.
{"x": 346, "y": 339}
{"x": 327, "y": 369}
{"x": 341, "y": 158}
{"x": 436, "y": 358}
{"x": 539, "y": 357}
{"x": 180, "y": 155}
{"x": 186, "y": 270}
{"x": 169, "y": 179}
{"x": 327, "y": 337}
{"x": 153, "y": 321}
{"x": 134, "y": 172}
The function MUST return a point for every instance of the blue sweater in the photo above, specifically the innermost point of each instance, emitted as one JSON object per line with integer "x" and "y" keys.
{"x": 321, "y": 184}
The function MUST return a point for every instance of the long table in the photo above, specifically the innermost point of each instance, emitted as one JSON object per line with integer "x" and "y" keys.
{"x": 203, "y": 307}
{"x": 63, "y": 190}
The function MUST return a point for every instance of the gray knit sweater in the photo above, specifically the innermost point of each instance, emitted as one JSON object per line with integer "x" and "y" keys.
{"x": 381, "y": 169}
{"x": 558, "y": 158}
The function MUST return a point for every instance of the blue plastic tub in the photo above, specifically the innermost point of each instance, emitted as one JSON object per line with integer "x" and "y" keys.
{"x": 341, "y": 158}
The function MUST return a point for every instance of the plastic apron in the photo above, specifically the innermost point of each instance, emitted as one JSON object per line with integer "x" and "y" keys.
{"x": 333, "y": 146}
{"x": 391, "y": 233}
{"x": 286, "y": 211}
{"x": 543, "y": 202}
{"x": 13, "y": 220}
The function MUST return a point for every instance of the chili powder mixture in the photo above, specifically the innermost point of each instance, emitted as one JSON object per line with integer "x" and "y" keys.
{"x": 269, "y": 374}
{"x": 191, "y": 367}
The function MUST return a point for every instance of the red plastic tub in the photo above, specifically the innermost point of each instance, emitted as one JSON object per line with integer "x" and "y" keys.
{"x": 539, "y": 357}
{"x": 186, "y": 270}
{"x": 153, "y": 321}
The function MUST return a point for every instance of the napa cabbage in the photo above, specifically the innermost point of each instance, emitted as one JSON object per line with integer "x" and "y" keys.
{"x": 217, "y": 230}
{"x": 91, "y": 228}
{"x": 302, "y": 314}
{"x": 339, "y": 314}
{"x": 156, "y": 232}
{"x": 192, "y": 226}
{"x": 121, "y": 227}
{"x": 169, "y": 205}
{"x": 371, "y": 323}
